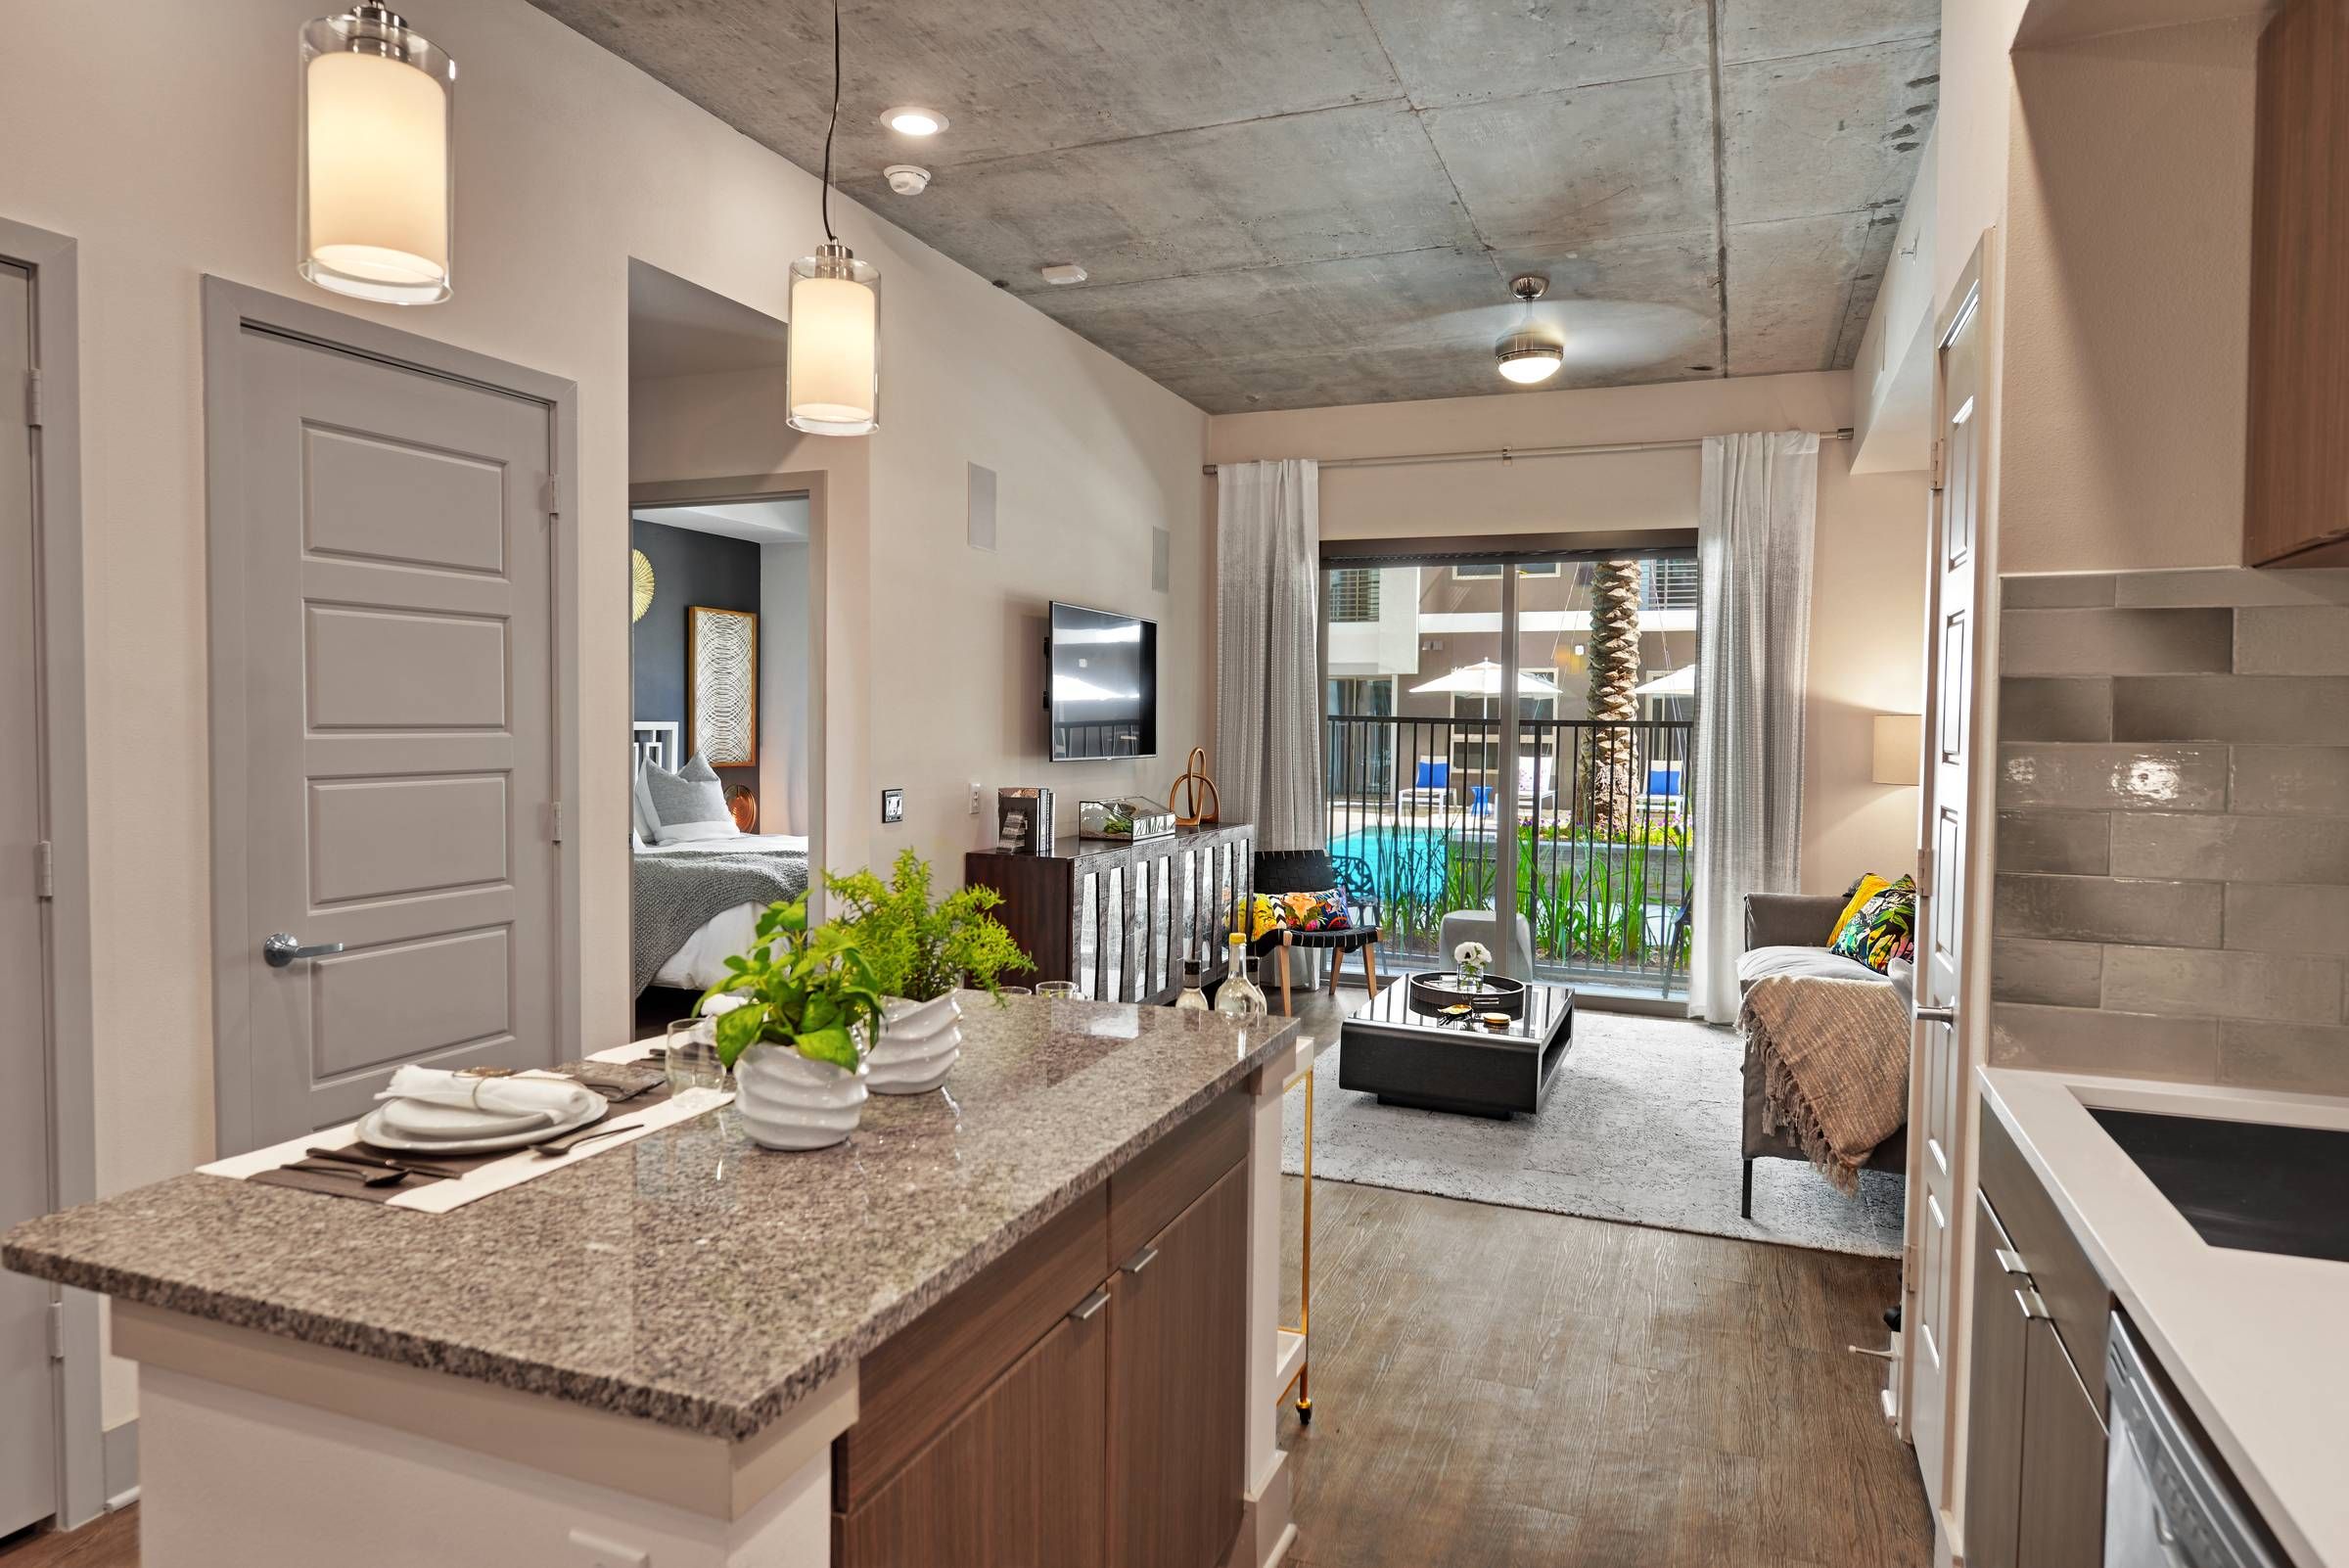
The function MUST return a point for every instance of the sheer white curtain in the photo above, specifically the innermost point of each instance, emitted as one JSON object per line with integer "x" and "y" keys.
{"x": 1755, "y": 518}
{"x": 1267, "y": 761}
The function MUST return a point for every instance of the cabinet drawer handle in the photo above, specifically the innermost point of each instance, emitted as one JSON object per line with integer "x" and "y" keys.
{"x": 1090, "y": 1306}
{"x": 2013, "y": 1262}
{"x": 1141, "y": 1261}
{"x": 2030, "y": 1302}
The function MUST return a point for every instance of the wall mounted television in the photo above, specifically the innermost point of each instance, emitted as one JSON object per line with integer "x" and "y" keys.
{"x": 1102, "y": 670}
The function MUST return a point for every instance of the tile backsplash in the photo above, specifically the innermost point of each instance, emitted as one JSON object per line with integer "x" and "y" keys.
{"x": 2173, "y": 828}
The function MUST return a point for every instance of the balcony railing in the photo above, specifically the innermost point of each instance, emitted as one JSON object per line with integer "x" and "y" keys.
{"x": 1602, "y": 837}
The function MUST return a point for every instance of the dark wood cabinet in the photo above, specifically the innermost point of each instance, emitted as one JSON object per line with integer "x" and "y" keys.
{"x": 1018, "y": 1480}
{"x": 2035, "y": 1428}
{"x": 2296, "y": 458}
{"x": 1178, "y": 1386}
{"x": 1120, "y": 918}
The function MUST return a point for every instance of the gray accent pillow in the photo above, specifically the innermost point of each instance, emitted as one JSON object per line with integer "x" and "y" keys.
{"x": 692, "y": 794}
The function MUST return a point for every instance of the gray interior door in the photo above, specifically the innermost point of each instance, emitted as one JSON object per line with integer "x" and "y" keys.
{"x": 399, "y": 726}
{"x": 28, "y": 1388}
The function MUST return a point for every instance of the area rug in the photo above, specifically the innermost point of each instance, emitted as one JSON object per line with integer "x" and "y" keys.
{"x": 1640, "y": 1126}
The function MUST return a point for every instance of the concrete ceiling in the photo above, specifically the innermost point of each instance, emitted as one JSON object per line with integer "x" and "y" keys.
{"x": 1288, "y": 204}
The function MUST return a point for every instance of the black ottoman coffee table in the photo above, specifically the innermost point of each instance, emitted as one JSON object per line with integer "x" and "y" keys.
{"x": 1408, "y": 1057}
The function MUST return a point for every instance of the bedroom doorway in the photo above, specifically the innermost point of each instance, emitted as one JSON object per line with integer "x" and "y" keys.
{"x": 725, "y": 645}
{"x": 391, "y": 690}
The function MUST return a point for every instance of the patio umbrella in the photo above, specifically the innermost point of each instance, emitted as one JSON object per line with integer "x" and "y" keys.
{"x": 1483, "y": 680}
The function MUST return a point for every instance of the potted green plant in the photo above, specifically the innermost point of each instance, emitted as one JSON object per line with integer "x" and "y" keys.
{"x": 920, "y": 950}
{"x": 801, "y": 1009}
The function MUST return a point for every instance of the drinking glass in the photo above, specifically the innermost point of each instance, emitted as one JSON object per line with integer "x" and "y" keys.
{"x": 1057, "y": 989}
{"x": 691, "y": 1048}
{"x": 1013, "y": 990}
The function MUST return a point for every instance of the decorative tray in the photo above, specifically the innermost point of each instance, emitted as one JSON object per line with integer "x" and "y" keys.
{"x": 1438, "y": 991}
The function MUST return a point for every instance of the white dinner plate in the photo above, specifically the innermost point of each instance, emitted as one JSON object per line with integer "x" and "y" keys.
{"x": 428, "y": 1118}
{"x": 372, "y": 1130}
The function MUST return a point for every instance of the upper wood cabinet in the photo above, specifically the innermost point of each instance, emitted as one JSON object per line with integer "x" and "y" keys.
{"x": 2296, "y": 468}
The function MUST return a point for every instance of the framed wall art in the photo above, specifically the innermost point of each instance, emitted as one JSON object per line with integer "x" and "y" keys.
{"x": 721, "y": 686}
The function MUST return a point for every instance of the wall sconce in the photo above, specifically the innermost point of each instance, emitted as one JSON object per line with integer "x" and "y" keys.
{"x": 1900, "y": 749}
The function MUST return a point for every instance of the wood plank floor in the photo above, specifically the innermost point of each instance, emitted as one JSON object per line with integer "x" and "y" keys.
{"x": 1505, "y": 1389}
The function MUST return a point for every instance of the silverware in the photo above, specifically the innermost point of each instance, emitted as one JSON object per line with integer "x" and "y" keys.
{"x": 425, "y": 1168}
{"x": 363, "y": 1175}
{"x": 572, "y": 1140}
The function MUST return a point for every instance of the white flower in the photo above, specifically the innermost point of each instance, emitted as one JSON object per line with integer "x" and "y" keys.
{"x": 1472, "y": 953}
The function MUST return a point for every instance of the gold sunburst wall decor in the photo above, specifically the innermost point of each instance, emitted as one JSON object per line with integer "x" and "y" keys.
{"x": 640, "y": 586}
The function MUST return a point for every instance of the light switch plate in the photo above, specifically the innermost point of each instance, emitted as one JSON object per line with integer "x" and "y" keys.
{"x": 893, "y": 806}
{"x": 973, "y": 797}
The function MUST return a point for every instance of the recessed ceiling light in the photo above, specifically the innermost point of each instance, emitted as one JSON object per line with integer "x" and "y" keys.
{"x": 909, "y": 120}
{"x": 1526, "y": 356}
{"x": 1060, "y": 274}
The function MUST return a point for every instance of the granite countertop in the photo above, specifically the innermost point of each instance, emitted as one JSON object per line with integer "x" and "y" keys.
{"x": 687, "y": 1278}
{"x": 2251, "y": 1339}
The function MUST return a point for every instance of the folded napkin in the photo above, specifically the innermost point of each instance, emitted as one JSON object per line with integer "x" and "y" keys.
{"x": 552, "y": 1097}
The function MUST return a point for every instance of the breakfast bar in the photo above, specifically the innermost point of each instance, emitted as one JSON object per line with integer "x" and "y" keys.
{"x": 1028, "y": 1317}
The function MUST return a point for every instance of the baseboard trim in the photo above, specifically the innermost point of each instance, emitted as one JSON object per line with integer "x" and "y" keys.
{"x": 121, "y": 1475}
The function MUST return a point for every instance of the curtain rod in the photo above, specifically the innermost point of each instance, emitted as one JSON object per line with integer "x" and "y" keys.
{"x": 1509, "y": 454}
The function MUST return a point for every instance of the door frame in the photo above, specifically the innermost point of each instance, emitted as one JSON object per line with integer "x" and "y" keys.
{"x": 737, "y": 489}
{"x": 229, "y": 309}
{"x": 51, "y": 261}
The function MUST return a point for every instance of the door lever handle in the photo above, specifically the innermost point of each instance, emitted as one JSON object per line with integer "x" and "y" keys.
{"x": 279, "y": 949}
{"x": 1937, "y": 1015}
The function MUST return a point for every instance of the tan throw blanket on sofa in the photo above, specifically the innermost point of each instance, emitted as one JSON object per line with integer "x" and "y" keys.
{"x": 1834, "y": 1058}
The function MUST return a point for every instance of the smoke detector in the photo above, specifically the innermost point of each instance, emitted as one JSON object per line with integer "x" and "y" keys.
{"x": 1062, "y": 273}
{"x": 906, "y": 179}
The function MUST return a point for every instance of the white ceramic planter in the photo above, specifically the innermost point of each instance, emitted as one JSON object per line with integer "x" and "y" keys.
{"x": 919, "y": 1044}
{"x": 788, "y": 1102}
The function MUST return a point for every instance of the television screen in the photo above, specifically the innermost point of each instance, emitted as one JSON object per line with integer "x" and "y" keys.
{"x": 1104, "y": 675}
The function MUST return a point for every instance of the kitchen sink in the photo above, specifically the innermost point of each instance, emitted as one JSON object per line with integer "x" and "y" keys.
{"x": 2256, "y": 1186}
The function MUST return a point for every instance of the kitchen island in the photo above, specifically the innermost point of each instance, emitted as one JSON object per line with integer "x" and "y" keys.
{"x": 690, "y": 1351}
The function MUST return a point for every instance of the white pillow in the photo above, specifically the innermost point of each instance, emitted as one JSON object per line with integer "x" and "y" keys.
{"x": 689, "y": 832}
{"x": 635, "y": 842}
{"x": 640, "y": 799}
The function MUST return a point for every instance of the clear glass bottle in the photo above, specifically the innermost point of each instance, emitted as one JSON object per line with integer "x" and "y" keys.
{"x": 1192, "y": 999}
{"x": 1239, "y": 998}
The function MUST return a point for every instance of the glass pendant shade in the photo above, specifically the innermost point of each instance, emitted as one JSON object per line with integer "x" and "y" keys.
{"x": 378, "y": 195}
{"x": 834, "y": 353}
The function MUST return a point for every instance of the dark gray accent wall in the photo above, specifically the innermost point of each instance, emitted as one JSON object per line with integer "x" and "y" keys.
{"x": 689, "y": 569}
{"x": 2173, "y": 829}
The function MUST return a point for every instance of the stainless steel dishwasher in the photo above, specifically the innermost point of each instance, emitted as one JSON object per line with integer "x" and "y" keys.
{"x": 2168, "y": 1499}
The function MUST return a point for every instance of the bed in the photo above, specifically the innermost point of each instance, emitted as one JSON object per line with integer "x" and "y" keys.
{"x": 692, "y": 906}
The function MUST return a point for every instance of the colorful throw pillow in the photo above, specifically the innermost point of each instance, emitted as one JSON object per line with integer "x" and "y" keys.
{"x": 1296, "y": 911}
{"x": 1883, "y": 929}
{"x": 1854, "y": 901}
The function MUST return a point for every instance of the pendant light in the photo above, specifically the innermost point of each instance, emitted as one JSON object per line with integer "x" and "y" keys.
{"x": 833, "y": 375}
{"x": 377, "y": 193}
{"x": 1526, "y": 356}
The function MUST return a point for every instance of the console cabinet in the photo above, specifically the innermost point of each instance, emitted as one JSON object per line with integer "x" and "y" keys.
{"x": 2034, "y": 1443}
{"x": 1083, "y": 1400}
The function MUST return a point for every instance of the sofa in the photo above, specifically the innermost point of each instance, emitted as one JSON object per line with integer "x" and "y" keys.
{"x": 1786, "y": 934}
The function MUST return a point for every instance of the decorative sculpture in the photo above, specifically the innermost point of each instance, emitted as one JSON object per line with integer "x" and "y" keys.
{"x": 1195, "y": 788}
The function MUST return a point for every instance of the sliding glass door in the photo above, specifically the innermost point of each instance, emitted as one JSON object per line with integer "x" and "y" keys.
{"x": 1518, "y": 728}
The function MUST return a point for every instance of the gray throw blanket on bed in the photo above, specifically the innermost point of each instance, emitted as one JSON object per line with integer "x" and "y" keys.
{"x": 676, "y": 895}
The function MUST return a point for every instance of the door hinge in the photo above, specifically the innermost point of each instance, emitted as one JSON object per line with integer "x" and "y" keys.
{"x": 57, "y": 1330}
{"x": 35, "y": 414}
{"x": 1924, "y": 871}
{"x": 554, "y": 821}
{"x": 44, "y": 870}
{"x": 547, "y": 497}
{"x": 1941, "y": 449}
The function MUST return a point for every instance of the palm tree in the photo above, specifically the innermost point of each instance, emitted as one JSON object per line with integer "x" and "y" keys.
{"x": 1614, "y": 677}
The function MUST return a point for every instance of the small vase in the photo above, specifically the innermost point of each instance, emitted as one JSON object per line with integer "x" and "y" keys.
{"x": 1470, "y": 978}
{"x": 920, "y": 1043}
{"x": 786, "y": 1101}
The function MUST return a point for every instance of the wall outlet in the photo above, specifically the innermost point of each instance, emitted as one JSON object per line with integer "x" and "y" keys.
{"x": 973, "y": 797}
{"x": 594, "y": 1552}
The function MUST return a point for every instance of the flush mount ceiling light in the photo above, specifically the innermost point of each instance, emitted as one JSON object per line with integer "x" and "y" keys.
{"x": 909, "y": 120}
{"x": 833, "y": 373}
{"x": 376, "y": 193}
{"x": 1526, "y": 356}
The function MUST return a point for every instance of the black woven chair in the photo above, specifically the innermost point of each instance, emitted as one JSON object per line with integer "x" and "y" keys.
{"x": 1317, "y": 871}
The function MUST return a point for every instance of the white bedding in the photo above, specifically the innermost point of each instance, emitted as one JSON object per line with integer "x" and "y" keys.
{"x": 702, "y": 961}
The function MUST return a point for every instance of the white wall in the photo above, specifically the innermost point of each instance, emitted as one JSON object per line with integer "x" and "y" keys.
{"x": 786, "y": 672}
{"x": 166, "y": 146}
{"x": 1892, "y": 376}
{"x": 1867, "y": 572}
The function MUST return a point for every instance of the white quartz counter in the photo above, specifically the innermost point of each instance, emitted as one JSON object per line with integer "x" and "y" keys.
{"x": 2257, "y": 1342}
